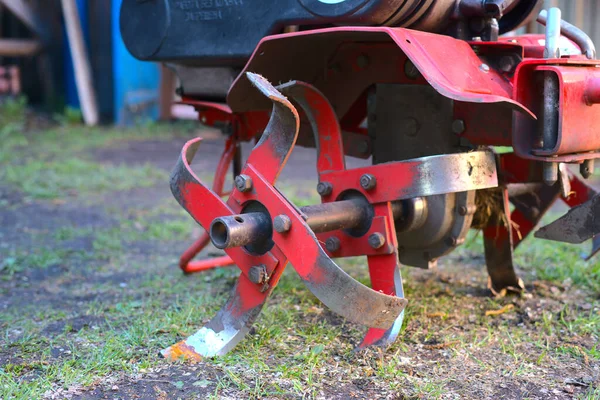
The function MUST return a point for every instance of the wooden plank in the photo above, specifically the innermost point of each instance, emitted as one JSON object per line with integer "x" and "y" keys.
{"x": 19, "y": 47}
{"x": 81, "y": 64}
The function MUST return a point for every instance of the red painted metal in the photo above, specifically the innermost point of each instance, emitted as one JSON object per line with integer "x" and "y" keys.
{"x": 466, "y": 81}
{"x": 496, "y": 103}
{"x": 383, "y": 261}
{"x": 577, "y": 137}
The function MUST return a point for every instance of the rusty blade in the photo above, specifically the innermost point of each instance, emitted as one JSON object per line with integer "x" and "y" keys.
{"x": 231, "y": 324}
{"x": 349, "y": 298}
{"x": 576, "y": 226}
{"x": 385, "y": 338}
{"x": 595, "y": 248}
{"x": 196, "y": 198}
{"x": 273, "y": 149}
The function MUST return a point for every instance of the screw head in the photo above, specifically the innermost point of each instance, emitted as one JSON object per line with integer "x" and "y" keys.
{"x": 324, "y": 188}
{"x": 243, "y": 183}
{"x": 368, "y": 182}
{"x": 458, "y": 126}
{"x": 484, "y": 68}
{"x": 332, "y": 244}
{"x": 376, "y": 240}
{"x": 258, "y": 274}
{"x": 282, "y": 223}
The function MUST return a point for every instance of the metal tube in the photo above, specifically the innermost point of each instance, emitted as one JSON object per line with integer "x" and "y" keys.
{"x": 329, "y": 217}
{"x": 240, "y": 230}
{"x": 244, "y": 229}
{"x": 550, "y": 101}
{"x": 553, "y": 28}
{"x": 574, "y": 33}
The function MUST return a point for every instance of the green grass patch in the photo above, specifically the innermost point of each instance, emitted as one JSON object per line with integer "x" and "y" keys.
{"x": 73, "y": 176}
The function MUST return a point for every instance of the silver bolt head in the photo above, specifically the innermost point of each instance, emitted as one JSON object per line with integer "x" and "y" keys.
{"x": 282, "y": 223}
{"x": 376, "y": 240}
{"x": 324, "y": 188}
{"x": 243, "y": 183}
{"x": 332, "y": 244}
{"x": 368, "y": 182}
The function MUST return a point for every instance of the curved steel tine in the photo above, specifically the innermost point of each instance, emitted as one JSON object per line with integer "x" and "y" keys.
{"x": 226, "y": 329}
{"x": 194, "y": 196}
{"x": 271, "y": 153}
{"x": 339, "y": 296}
{"x": 385, "y": 277}
{"x": 322, "y": 117}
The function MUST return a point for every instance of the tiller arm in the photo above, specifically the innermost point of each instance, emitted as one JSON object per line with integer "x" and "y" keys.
{"x": 261, "y": 230}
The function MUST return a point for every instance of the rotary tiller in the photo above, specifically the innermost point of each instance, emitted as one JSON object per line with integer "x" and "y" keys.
{"x": 428, "y": 90}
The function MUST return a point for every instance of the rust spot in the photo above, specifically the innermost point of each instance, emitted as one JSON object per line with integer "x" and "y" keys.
{"x": 181, "y": 351}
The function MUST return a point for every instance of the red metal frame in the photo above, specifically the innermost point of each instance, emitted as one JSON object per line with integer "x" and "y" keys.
{"x": 495, "y": 107}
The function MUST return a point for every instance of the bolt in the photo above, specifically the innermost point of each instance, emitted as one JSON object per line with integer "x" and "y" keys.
{"x": 484, "y": 68}
{"x": 282, "y": 223}
{"x": 587, "y": 168}
{"x": 362, "y": 61}
{"x": 507, "y": 64}
{"x": 467, "y": 210}
{"x": 332, "y": 244}
{"x": 258, "y": 274}
{"x": 376, "y": 240}
{"x": 453, "y": 241}
{"x": 363, "y": 147}
{"x": 324, "y": 188}
{"x": 550, "y": 173}
{"x": 410, "y": 70}
{"x": 243, "y": 183}
{"x": 458, "y": 126}
{"x": 368, "y": 182}
{"x": 410, "y": 126}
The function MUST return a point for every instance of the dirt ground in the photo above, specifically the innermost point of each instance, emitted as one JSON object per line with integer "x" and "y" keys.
{"x": 90, "y": 292}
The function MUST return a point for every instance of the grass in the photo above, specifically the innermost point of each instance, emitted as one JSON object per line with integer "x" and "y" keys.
{"x": 74, "y": 176}
{"x": 100, "y": 319}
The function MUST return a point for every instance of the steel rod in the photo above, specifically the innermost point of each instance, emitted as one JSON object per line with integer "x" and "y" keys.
{"x": 244, "y": 229}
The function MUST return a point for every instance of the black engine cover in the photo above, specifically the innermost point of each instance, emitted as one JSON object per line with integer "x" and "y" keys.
{"x": 225, "y": 32}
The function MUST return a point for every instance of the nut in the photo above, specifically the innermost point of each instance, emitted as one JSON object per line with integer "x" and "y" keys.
{"x": 368, "y": 182}
{"x": 376, "y": 240}
{"x": 282, "y": 223}
{"x": 324, "y": 188}
{"x": 243, "y": 183}
{"x": 458, "y": 126}
{"x": 258, "y": 274}
{"x": 332, "y": 244}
